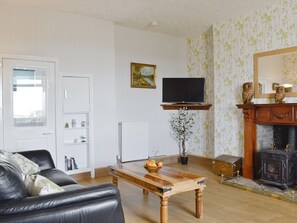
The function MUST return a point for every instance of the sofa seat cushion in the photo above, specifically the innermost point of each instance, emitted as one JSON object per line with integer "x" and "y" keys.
{"x": 58, "y": 177}
{"x": 12, "y": 185}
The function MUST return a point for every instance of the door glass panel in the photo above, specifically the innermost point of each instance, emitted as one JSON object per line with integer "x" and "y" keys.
{"x": 29, "y": 94}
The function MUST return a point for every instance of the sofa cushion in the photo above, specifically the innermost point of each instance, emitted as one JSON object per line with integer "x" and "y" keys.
{"x": 27, "y": 166}
{"x": 5, "y": 155}
{"x": 42, "y": 157}
{"x": 58, "y": 177}
{"x": 12, "y": 185}
{"x": 39, "y": 185}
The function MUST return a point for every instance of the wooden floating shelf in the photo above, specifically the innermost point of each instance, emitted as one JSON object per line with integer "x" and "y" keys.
{"x": 188, "y": 106}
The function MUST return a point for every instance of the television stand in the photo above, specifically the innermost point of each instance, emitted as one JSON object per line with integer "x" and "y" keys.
{"x": 189, "y": 106}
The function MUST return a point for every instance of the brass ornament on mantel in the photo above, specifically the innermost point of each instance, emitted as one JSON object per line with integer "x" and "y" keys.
{"x": 280, "y": 94}
{"x": 247, "y": 93}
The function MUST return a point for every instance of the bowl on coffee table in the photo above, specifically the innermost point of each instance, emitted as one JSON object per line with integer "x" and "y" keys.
{"x": 152, "y": 166}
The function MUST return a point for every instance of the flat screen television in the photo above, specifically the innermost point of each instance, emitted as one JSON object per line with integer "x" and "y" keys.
{"x": 183, "y": 90}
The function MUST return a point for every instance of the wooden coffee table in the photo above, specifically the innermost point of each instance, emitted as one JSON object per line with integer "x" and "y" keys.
{"x": 167, "y": 182}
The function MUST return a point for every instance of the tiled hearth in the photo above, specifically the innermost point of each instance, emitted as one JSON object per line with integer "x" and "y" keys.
{"x": 255, "y": 186}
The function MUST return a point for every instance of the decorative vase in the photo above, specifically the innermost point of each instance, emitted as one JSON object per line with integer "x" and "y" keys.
{"x": 184, "y": 160}
{"x": 183, "y": 156}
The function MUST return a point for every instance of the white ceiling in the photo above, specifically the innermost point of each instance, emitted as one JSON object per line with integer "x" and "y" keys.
{"x": 180, "y": 18}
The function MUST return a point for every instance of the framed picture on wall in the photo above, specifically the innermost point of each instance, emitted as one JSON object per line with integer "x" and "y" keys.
{"x": 143, "y": 75}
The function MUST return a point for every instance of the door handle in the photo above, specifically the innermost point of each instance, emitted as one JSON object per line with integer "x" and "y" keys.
{"x": 48, "y": 133}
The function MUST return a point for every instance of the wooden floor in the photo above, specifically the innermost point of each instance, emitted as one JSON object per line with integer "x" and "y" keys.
{"x": 221, "y": 203}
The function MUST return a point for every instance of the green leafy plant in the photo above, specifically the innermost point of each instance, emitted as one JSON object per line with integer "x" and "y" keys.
{"x": 182, "y": 124}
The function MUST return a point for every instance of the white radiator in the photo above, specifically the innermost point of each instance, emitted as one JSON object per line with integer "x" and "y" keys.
{"x": 133, "y": 141}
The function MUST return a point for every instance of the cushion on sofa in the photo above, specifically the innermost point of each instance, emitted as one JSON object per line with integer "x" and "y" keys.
{"x": 5, "y": 155}
{"x": 12, "y": 185}
{"x": 39, "y": 185}
{"x": 27, "y": 166}
{"x": 42, "y": 157}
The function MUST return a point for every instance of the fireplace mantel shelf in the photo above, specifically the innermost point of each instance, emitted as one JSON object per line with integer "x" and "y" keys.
{"x": 263, "y": 114}
{"x": 274, "y": 114}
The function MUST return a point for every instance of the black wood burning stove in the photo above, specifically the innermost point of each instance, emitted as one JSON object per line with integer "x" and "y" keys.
{"x": 278, "y": 167}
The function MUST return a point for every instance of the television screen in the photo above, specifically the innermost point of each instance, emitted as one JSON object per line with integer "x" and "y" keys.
{"x": 183, "y": 90}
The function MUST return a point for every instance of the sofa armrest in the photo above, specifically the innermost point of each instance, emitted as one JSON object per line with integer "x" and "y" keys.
{"x": 87, "y": 203}
{"x": 42, "y": 157}
{"x": 58, "y": 199}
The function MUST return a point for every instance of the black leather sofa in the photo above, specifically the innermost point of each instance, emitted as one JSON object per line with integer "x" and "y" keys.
{"x": 77, "y": 204}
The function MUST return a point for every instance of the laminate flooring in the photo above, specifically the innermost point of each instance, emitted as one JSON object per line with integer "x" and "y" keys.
{"x": 221, "y": 203}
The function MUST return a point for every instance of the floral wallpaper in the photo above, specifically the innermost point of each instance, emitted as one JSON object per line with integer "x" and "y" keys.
{"x": 232, "y": 44}
{"x": 200, "y": 57}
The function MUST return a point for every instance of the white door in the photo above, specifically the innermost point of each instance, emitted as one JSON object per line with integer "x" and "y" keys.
{"x": 29, "y": 105}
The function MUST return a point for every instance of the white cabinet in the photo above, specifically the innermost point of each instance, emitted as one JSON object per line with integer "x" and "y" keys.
{"x": 76, "y": 94}
{"x": 76, "y": 155}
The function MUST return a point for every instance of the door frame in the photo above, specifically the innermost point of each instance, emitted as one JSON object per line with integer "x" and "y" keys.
{"x": 56, "y": 79}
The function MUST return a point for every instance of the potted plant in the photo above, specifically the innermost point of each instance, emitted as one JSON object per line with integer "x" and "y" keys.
{"x": 182, "y": 124}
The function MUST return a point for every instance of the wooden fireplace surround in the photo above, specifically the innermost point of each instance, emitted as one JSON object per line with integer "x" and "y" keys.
{"x": 263, "y": 114}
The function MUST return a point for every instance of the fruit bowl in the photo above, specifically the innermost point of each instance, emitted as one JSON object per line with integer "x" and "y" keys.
{"x": 152, "y": 169}
{"x": 152, "y": 165}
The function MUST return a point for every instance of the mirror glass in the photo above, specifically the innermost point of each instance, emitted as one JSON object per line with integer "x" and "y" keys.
{"x": 275, "y": 68}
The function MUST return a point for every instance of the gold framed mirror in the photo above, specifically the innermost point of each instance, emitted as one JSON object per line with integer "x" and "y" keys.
{"x": 274, "y": 68}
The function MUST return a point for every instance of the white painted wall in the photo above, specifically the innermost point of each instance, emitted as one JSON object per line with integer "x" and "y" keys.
{"x": 82, "y": 45}
{"x": 89, "y": 46}
{"x": 139, "y": 104}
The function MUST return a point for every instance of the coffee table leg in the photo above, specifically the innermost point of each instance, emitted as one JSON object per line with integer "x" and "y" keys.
{"x": 145, "y": 192}
{"x": 199, "y": 203}
{"x": 164, "y": 210}
{"x": 115, "y": 180}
